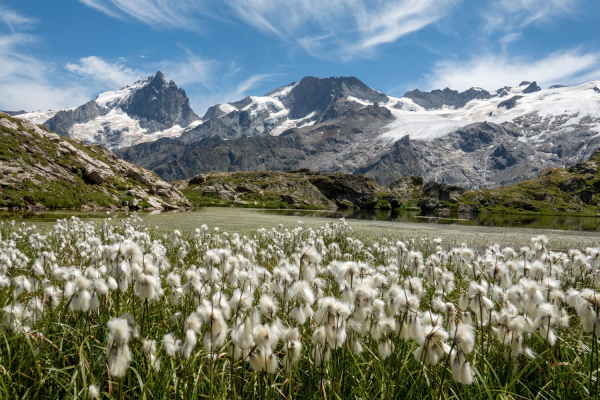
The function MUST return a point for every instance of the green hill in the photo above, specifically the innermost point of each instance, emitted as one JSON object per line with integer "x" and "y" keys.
{"x": 40, "y": 169}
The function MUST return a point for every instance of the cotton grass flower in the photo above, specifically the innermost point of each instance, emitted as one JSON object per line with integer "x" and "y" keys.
{"x": 117, "y": 348}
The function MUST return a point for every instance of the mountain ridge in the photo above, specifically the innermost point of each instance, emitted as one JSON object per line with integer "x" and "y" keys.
{"x": 475, "y": 138}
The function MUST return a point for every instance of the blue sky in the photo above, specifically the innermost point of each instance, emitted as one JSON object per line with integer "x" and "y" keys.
{"x": 62, "y": 53}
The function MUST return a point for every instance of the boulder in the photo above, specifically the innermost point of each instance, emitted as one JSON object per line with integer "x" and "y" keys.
{"x": 586, "y": 196}
{"x": 290, "y": 199}
{"x": 8, "y": 124}
{"x": 572, "y": 185}
{"x": 443, "y": 192}
{"x": 249, "y": 188}
{"x": 428, "y": 204}
{"x": 468, "y": 208}
{"x": 198, "y": 179}
{"x": 96, "y": 175}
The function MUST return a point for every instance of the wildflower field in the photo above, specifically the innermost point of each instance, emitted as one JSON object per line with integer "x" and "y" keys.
{"x": 118, "y": 310}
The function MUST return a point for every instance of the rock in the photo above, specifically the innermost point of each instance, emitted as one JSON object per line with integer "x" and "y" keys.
{"x": 572, "y": 185}
{"x": 523, "y": 205}
{"x": 347, "y": 191}
{"x": 216, "y": 193}
{"x": 290, "y": 199}
{"x": 96, "y": 175}
{"x": 443, "y": 192}
{"x": 586, "y": 196}
{"x": 597, "y": 89}
{"x": 510, "y": 103}
{"x": 533, "y": 87}
{"x": 589, "y": 167}
{"x": 8, "y": 124}
{"x": 428, "y": 204}
{"x": 249, "y": 188}
{"x": 438, "y": 98}
{"x": 240, "y": 202}
{"x": 198, "y": 179}
{"x": 38, "y": 206}
{"x": 155, "y": 203}
{"x": 468, "y": 208}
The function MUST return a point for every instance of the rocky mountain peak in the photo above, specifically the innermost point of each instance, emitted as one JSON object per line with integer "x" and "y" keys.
{"x": 447, "y": 97}
{"x": 158, "y": 81}
{"x": 317, "y": 95}
{"x": 159, "y": 105}
{"x": 532, "y": 87}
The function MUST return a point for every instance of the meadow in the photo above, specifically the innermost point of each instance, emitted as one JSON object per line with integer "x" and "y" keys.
{"x": 116, "y": 309}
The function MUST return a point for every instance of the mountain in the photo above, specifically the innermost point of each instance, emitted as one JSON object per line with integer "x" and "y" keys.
{"x": 14, "y": 113}
{"x": 149, "y": 109}
{"x": 476, "y": 138}
{"x": 41, "y": 169}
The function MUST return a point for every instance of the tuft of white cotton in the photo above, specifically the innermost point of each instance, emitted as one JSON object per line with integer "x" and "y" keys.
{"x": 117, "y": 348}
{"x": 93, "y": 392}
{"x": 171, "y": 344}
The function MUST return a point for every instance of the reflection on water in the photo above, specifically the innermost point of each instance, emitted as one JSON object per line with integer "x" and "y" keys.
{"x": 249, "y": 218}
{"x": 560, "y": 222}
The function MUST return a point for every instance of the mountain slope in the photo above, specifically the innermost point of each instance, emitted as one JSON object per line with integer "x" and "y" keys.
{"x": 149, "y": 109}
{"x": 39, "y": 168}
{"x": 471, "y": 139}
{"x": 574, "y": 190}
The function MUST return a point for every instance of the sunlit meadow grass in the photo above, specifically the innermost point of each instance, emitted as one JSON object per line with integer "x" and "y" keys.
{"x": 123, "y": 311}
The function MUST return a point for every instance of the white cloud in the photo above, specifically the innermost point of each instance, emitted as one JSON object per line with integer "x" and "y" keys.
{"x": 158, "y": 13}
{"x": 14, "y": 20}
{"x": 26, "y": 80}
{"x": 329, "y": 29}
{"x": 110, "y": 75}
{"x": 494, "y": 71}
{"x": 510, "y": 15}
{"x": 99, "y": 6}
{"x": 191, "y": 69}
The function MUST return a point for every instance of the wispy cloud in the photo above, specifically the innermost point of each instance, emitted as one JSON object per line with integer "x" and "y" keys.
{"x": 112, "y": 75}
{"x": 16, "y": 21}
{"x": 340, "y": 29}
{"x": 158, "y": 13}
{"x": 191, "y": 68}
{"x": 27, "y": 81}
{"x": 515, "y": 15}
{"x": 494, "y": 71}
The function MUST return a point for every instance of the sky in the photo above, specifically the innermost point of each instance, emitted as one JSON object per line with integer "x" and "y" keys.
{"x": 62, "y": 53}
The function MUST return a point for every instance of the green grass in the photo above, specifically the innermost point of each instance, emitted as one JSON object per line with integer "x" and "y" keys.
{"x": 65, "y": 350}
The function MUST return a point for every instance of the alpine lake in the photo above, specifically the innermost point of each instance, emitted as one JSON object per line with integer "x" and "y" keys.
{"x": 474, "y": 229}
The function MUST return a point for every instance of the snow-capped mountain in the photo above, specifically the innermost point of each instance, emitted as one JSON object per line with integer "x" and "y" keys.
{"x": 476, "y": 138}
{"x": 149, "y": 109}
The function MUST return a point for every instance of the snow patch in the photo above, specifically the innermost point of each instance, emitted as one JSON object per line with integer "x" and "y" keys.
{"x": 578, "y": 102}
{"x": 39, "y": 117}
{"x": 117, "y": 97}
{"x": 227, "y": 108}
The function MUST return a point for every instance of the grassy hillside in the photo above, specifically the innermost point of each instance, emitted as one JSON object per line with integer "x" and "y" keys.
{"x": 574, "y": 190}
{"x": 40, "y": 169}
